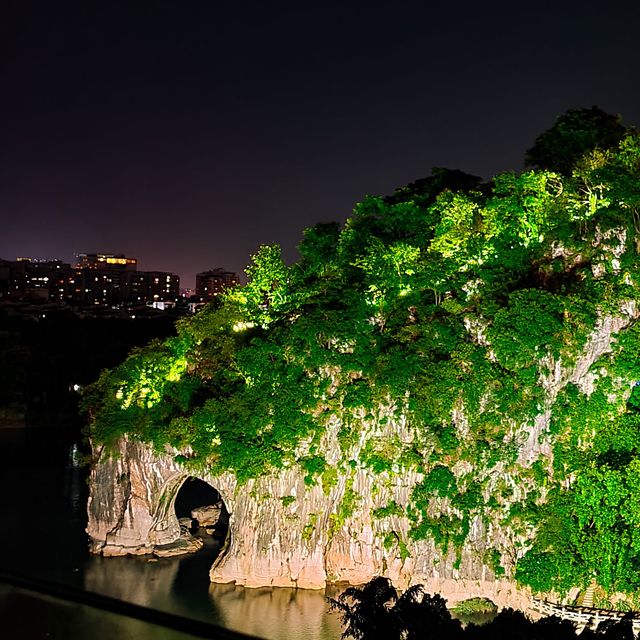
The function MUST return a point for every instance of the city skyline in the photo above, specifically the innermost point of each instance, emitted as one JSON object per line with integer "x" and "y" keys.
{"x": 190, "y": 135}
{"x": 189, "y": 284}
{"x": 107, "y": 280}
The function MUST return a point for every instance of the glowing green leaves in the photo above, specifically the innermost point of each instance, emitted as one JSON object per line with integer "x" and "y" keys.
{"x": 527, "y": 329}
{"x": 266, "y": 292}
{"x": 389, "y": 270}
{"x": 457, "y": 229}
{"x": 148, "y": 372}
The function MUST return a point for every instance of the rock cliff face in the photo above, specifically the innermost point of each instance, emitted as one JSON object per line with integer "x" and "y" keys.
{"x": 272, "y": 542}
{"x": 283, "y": 532}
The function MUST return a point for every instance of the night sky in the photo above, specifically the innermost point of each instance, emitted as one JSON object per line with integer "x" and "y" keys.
{"x": 187, "y": 133}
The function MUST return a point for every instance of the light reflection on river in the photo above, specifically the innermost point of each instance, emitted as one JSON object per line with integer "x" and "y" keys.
{"x": 303, "y": 613}
{"x": 44, "y": 496}
{"x": 180, "y": 585}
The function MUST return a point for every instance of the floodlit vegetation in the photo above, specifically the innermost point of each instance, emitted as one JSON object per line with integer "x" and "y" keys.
{"x": 449, "y": 306}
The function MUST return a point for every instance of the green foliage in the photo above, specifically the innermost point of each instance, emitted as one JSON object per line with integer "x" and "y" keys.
{"x": 345, "y": 510}
{"x": 443, "y": 529}
{"x": 313, "y": 466}
{"x": 431, "y": 330}
{"x": 329, "y": 478}
{"x": 393, "y": 539}
{"x": 528, "y": 328}
{"x": 495, "y": 562}
{"x": 310, "y": 527}
{"x": 318, "y": 248}
{"x": 448, "y": 440}
{"x": 523, "y": 210}
{"x": 266, "y": 292}
{"x": 590, "y": 530}
{"x": 473, "y": 606}
{"x": 439, "y": 481}
{"x": 392, "y": 509}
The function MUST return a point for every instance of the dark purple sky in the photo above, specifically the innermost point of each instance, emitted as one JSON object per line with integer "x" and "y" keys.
{"x": 186, "y": 133}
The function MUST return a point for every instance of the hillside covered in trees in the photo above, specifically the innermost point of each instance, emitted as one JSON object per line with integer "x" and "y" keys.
{"x": 454, "y": 307}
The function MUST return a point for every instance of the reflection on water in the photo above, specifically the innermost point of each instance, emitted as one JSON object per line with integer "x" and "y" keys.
{"x": 300, "y": 613}
{"x": 25, "y": 614}
{"x": 43, "y": 500}
{"x": 181, "y": 585}
{"x": 74, "y": 477}
{"x": 134, "y": 580}
{"x": 474, "y": 618}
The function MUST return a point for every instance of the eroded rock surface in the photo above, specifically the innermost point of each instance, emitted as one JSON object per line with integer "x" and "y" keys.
{"x": 184, "y": 544}
{"x": 207, "y": 515}
{"x": 283, "y": 532}
{"x": 272, "y": 542}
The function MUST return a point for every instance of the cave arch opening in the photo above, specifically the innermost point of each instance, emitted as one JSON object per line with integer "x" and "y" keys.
{"x": 202, "y": 513}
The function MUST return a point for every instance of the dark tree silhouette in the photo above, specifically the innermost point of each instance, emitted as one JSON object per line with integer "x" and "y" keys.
{"x": 554, "y": 628}
{"x": 366, "y": 612}
{"x": 421, "y": 615}
{"x": 425, "y": 190}
{"x": 509, "y": 623}
{"x": 574, "y": 134}
{"x": 374, "y": 611}
{"x": 319, "y": 244}
{"x": 621, "y": 630}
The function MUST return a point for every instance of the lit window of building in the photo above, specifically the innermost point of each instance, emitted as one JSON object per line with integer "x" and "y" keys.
{"x": 213, "y": 282}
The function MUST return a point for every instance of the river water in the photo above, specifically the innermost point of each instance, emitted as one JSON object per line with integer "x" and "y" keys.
{"x": 43, "y": 500}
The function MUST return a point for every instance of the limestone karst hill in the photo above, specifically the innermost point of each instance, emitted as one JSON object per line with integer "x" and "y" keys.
{"x": 443, "y": 391}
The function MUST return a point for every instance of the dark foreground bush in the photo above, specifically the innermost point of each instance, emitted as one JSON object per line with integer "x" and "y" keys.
{"x": 376, "y": 611}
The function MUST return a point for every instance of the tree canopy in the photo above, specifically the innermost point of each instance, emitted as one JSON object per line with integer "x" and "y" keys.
{"x": 574, "y": 134}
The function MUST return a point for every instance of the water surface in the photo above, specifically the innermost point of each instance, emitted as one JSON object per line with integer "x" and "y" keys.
{"x": 43, "y": 502}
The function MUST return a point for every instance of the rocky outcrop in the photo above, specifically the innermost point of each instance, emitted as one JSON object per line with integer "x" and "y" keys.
{"x": 207, "y": 515}
{"x": 276, "y": 542}
{"x": 184, "y": 544}
{"x": 283, "y": 532}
